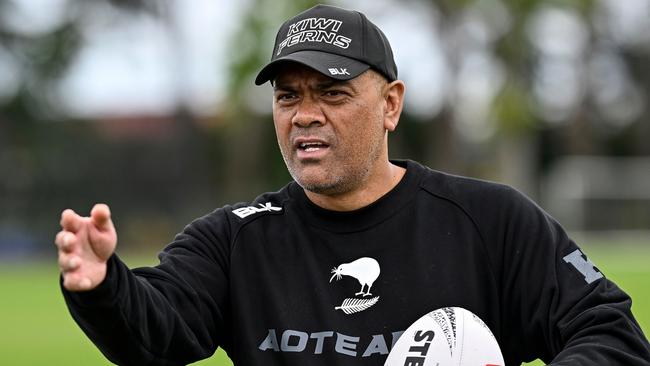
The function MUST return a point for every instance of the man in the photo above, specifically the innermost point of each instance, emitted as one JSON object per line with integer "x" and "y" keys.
{"x": 332, "y": 268}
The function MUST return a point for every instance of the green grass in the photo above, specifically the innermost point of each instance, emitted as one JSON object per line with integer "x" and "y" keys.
{"x": 38, "y": 330}
{"x": 36, "y": 326}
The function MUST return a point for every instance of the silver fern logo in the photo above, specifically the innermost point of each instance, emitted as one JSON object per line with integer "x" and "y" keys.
{"x": 366, "y": 271}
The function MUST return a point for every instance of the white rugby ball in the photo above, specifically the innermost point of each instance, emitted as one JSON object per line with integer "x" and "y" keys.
{"x": 449, "y": 336}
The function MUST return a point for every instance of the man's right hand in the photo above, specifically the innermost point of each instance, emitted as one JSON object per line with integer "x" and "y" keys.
{"x": 85, "y": 244}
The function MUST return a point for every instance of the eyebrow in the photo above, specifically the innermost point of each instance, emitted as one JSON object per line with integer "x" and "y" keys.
{"x": 332, "y": 82}
{"x": 322, "y": 85}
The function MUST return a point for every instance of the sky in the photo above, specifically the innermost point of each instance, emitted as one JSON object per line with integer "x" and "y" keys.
{"x": 131, "y": 66}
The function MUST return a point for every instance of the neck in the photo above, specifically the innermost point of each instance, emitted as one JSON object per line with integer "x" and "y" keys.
{"x": 374, "y": 188}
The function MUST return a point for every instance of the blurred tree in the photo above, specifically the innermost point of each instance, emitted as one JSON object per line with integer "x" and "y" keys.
{"x": 39, "y": 57}
{"x": 569, "y": 86}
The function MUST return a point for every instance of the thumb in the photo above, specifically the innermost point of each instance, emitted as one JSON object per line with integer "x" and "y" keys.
{"x": 103, "y": 236}
{"x": 101, "y": 217}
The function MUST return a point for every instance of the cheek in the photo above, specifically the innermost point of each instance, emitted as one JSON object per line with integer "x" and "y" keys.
{"x": 367, "y": 125}
{"x": 282, "y": 127}
{"x": 282, "y": 138}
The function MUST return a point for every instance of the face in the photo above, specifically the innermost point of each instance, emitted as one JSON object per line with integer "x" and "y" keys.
{"x": 331, "y": 133}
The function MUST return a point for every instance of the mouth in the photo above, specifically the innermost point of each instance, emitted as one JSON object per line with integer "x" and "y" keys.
{"x": 311, "y": 148}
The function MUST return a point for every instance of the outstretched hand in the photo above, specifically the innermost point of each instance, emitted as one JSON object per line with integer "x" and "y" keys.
{"x": 85, "y": 244}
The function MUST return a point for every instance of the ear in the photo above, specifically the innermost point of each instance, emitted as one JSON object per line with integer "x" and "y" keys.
{"x": 394, "y": 98}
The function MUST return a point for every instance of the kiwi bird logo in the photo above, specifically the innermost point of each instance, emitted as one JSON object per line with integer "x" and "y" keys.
{"x": 365, "y": 270}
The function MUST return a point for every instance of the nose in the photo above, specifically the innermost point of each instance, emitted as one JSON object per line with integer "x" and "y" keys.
{"x": 308, "y": 113}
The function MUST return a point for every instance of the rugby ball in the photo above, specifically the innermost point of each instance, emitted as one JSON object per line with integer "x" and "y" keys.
{"x": 449, "y": 336}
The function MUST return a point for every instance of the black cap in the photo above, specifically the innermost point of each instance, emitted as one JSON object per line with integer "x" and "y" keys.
{"x": 336, "y": 42}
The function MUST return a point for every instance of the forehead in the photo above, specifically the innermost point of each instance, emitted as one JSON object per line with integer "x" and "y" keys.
{"x": 291, "y": 73}
{"x": 294, "y": 74}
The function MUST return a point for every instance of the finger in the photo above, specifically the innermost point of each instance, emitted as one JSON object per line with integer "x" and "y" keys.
{"x": 58, "y": 239}
{"x": 68, "y": 262}
{"x": 65, "y": 241}
{"x": 70, "y": 221}
{"x": 72, "y": 282}
{"x": 101, "y": 215}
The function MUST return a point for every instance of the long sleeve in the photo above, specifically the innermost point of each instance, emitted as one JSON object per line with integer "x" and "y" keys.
{"x": 568, "y": 311}
{"x": 171, "y": 314}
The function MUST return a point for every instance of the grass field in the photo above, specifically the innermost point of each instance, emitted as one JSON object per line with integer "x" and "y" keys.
{"x": 37, "y": 329}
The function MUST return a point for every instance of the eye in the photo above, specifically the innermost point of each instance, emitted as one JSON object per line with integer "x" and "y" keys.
{"x": 335, "y": 95}
{"x": 285, "y": 97}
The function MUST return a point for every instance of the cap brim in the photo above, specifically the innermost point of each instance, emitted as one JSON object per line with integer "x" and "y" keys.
{"x": 334, "y": 66}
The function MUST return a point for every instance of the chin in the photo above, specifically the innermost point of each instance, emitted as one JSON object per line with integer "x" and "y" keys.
{"x": 321, "y": 189}
{"x": 318, "y": 183}
{"x": 327, "y": 187}
{"x": 314, "y": 185}
{"x": 330, "y": 180}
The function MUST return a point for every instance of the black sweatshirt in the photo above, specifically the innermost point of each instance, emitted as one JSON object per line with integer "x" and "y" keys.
{"x": 281, "y": 281}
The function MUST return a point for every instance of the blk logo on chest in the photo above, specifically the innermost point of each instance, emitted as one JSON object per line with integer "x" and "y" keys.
{"x": 583, "y": 265}
{"x": 243, "y": 212}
